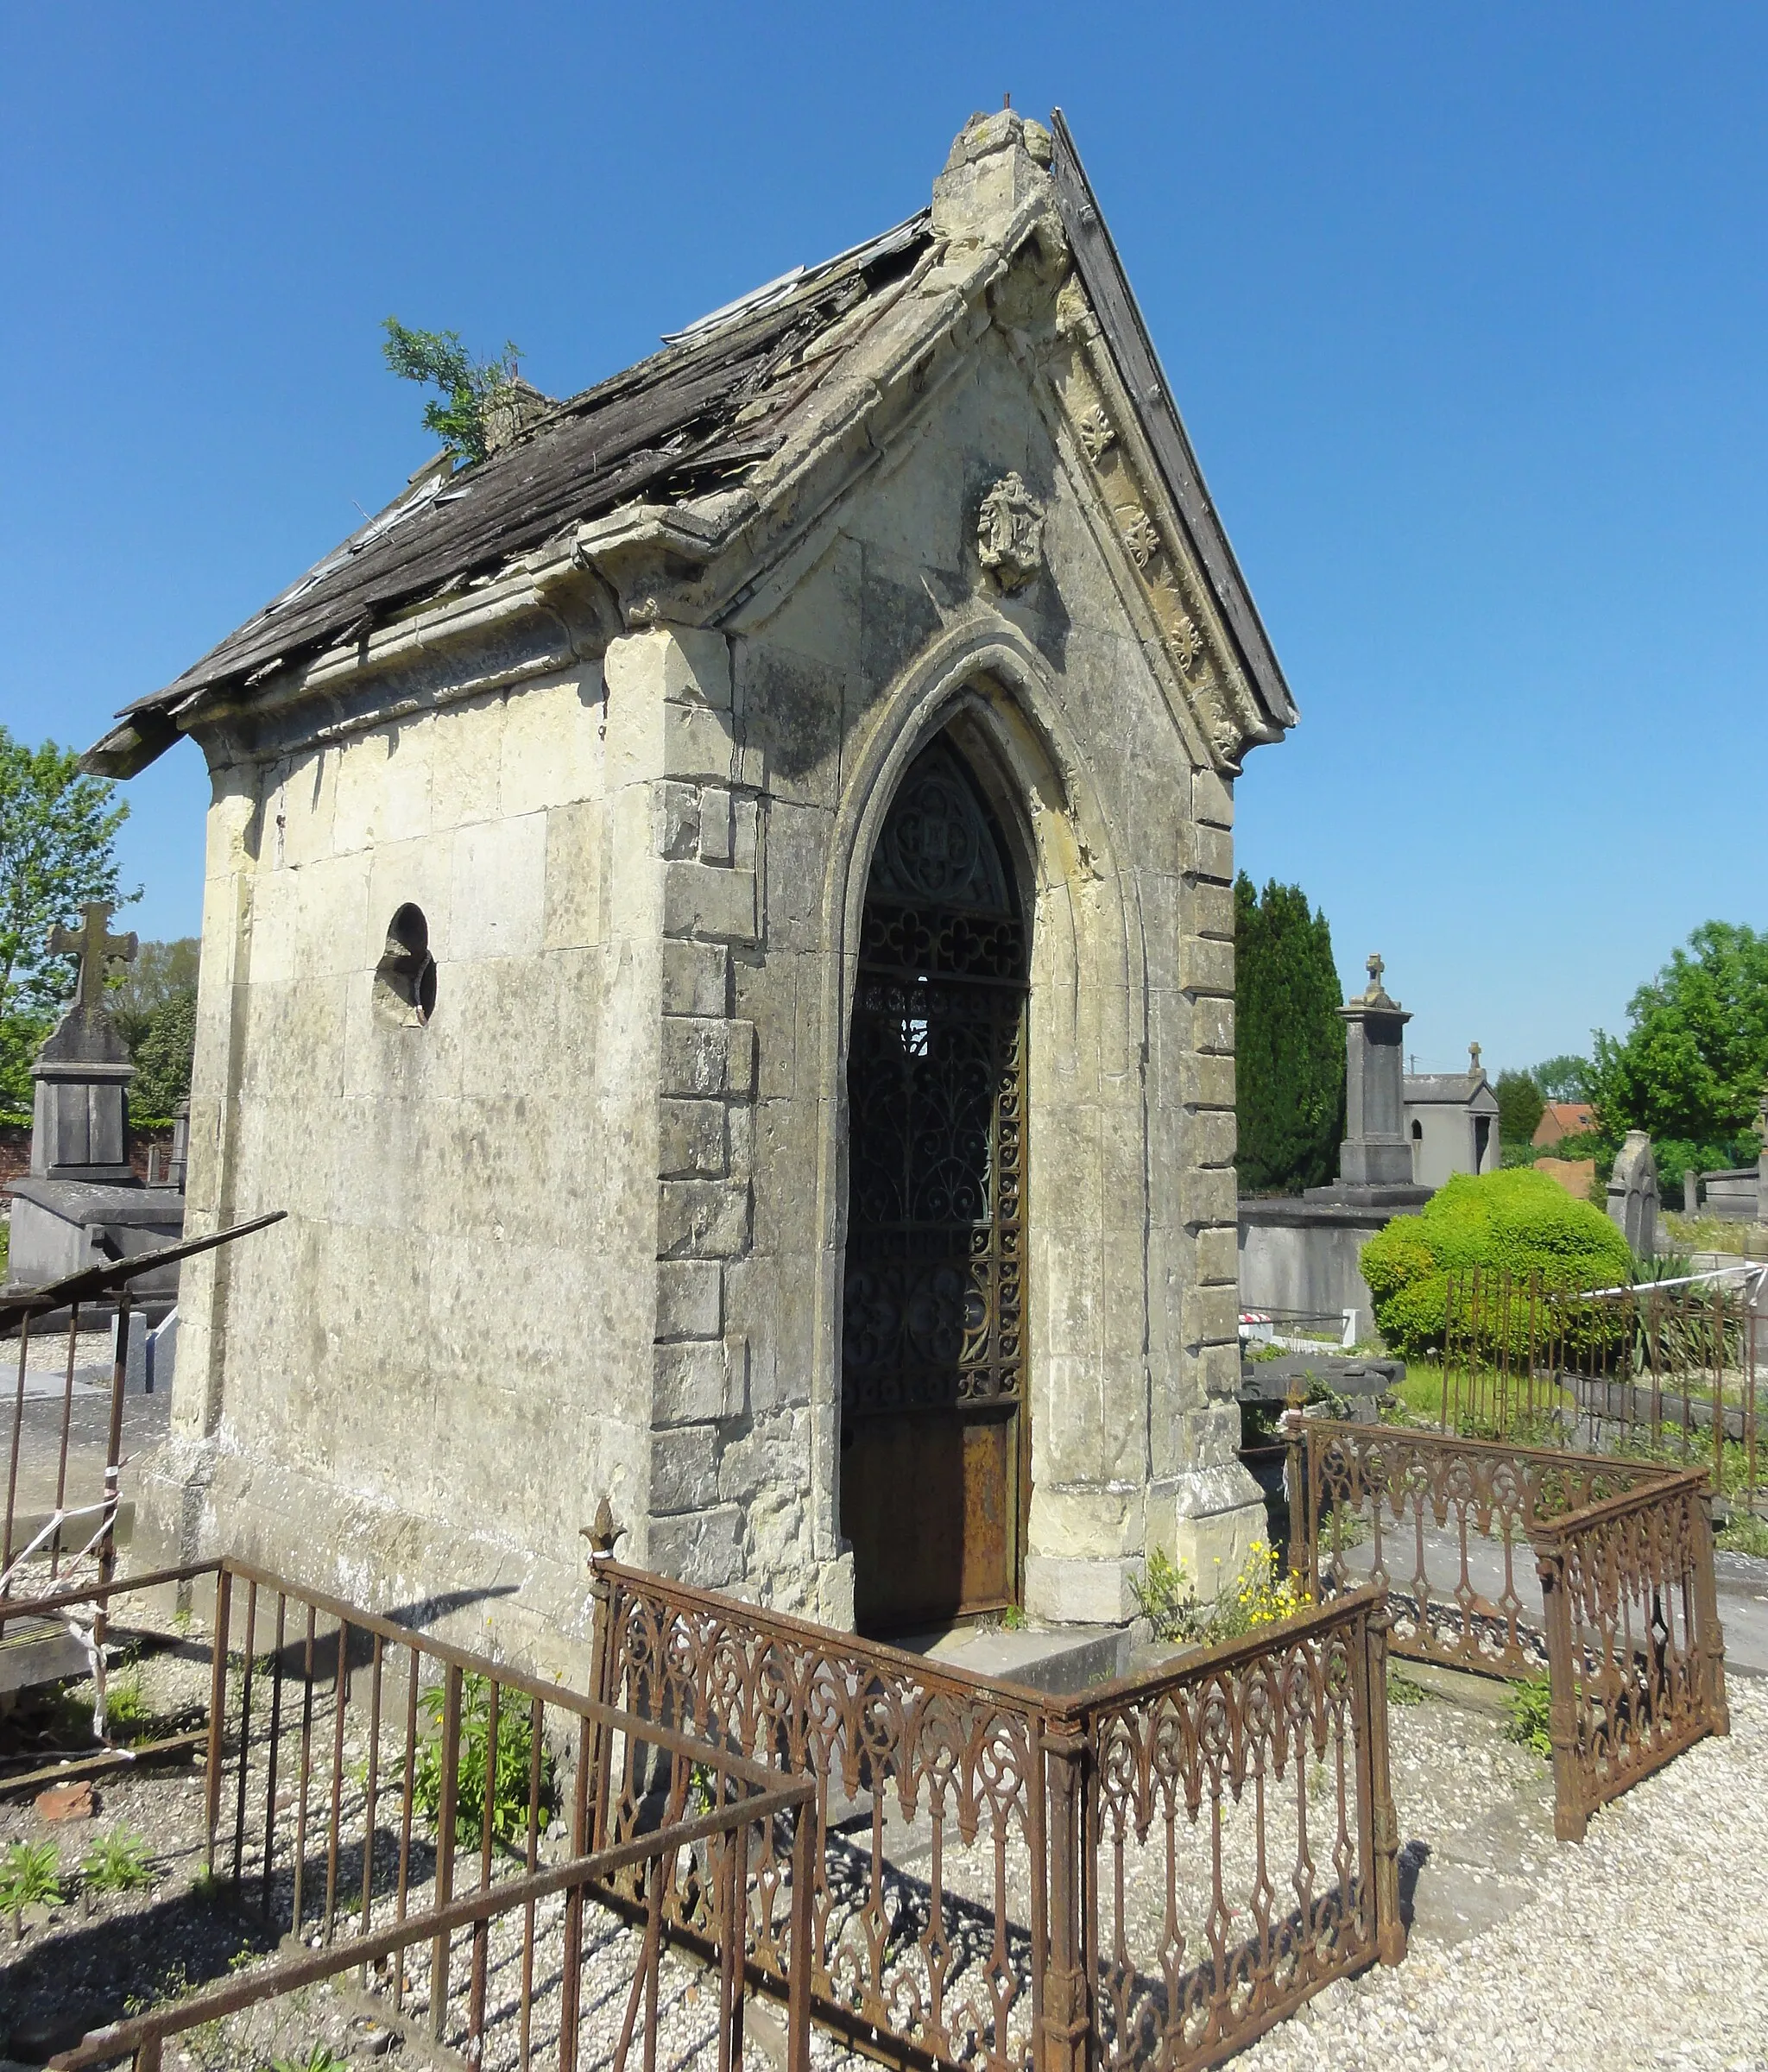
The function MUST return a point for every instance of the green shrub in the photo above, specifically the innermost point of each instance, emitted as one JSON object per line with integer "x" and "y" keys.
{"x": 1167, "y": 1599}
{"x": 1519, "y": 1221}
{"x": 509, "y": 1788}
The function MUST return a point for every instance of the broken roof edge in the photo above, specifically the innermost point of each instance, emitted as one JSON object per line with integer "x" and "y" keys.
{"x": 700, "y": 530}
{"x": 1127, "y": 337}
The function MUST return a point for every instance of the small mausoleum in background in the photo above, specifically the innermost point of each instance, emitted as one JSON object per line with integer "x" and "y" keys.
{"x": 1451, "y": 1119}
{"x": 719, "y": 931}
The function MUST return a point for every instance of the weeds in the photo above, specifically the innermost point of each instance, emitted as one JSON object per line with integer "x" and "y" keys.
{"x": 127, "y": 1714}
{"x": 1167, "y": 1599}
{"x": 1402, "y": 1689}
{"x": 1261, "y": 1595}
{"x": 1742, "y": 1533}
{"x": 1528, "y": 1709}
{"x": 118, "y": 1862}
{"x": 318, "y": 2059}
{"x": 30, "y": 1875}
{"x": 509, "y": 1786}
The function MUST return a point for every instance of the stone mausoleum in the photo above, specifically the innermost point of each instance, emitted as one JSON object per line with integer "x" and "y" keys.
{"x": 718, "y": 930}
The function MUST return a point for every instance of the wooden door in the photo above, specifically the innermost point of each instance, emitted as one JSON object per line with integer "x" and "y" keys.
{"x": 934, "y": 1433}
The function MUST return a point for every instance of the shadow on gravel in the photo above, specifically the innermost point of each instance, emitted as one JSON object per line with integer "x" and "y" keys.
{"x": 55, "y": 1988}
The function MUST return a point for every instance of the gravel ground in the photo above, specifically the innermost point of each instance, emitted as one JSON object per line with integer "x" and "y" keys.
{"x": 1647, "y": 1946}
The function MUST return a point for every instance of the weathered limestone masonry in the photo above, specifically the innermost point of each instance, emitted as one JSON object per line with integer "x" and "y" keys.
{"x": 541, "y": 870}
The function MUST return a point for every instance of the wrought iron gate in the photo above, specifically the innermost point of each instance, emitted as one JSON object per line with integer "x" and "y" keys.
{"x": 934, "y": 1433}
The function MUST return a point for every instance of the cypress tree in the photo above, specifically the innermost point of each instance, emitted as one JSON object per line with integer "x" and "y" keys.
{"x": 1289, "y": 1041}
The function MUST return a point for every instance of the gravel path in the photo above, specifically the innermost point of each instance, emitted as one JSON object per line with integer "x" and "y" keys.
{"x": 1647, "y": 1946}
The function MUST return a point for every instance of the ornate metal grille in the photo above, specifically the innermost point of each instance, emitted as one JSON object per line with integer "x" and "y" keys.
{"x": 934, "y": 1295}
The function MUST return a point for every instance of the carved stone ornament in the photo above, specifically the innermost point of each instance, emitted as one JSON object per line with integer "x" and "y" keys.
{"x": 1097, "y": 431}
{"x": 1010, "y": 533}
{"x": 1139, "y": 535}
{"x": 1185, "y": 644}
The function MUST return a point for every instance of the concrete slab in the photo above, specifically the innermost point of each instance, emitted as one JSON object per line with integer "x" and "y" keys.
{"x": 1048, "y": 1658}
{"x": 38, "y": 1651}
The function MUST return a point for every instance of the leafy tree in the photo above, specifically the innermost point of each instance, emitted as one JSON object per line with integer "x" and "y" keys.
{"x": 1692, "y": 1065}
{"x": 162, "y": 1059}
{"x": 1290, "y": 1040}
{"x": 1561, "y": 1078}
{"x": 140, "y": 989}
{"x": 438, "y": 360}
{"x": 58, "y": 833}
{"x": 1520, "y": 1106}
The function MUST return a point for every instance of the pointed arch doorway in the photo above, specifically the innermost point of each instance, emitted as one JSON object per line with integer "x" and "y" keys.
{"x": 935, "y": 1440}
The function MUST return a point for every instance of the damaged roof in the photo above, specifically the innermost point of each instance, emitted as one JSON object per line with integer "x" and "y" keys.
{"x": 696, "y": 419}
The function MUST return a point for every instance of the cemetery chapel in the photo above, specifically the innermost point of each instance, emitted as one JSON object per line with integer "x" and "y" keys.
{"x": 718, "y": 930}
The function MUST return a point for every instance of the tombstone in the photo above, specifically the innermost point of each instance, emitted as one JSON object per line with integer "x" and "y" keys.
{"x": 79, "y": 1125}
{"x": 1375, "y": 1158}
{"x": 162, "y": 1355}
{"x": 1632, "y": 1194}
{"x": 137, "y": 1373}
{"x": 1691, "y": 1192}
{"x": 81, "y": 1202}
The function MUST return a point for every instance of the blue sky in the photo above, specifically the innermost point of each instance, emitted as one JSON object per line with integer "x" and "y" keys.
{"x": 1464, "y": 308}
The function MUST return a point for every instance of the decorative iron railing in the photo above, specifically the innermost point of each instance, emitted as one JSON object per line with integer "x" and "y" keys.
{"x": 1513, "y": 1561}
{"x": 1669, "y": 1370}
{"x": 1152, "y": 1873}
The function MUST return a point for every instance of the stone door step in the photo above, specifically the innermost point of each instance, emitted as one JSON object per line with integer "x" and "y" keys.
{"x": 1051, "y": 1658}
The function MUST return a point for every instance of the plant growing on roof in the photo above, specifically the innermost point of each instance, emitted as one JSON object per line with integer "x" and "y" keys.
{"x": 438, "y": 359}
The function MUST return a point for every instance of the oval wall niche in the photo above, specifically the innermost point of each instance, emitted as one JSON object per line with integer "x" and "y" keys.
{"x": 405, "y": 978}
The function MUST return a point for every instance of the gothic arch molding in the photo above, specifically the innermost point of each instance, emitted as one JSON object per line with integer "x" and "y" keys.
{"x": 985, "y": 686}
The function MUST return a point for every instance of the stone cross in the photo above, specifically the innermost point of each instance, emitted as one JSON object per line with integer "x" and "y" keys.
{"x": 1474, "y": 1066}
{"x": 95, "y": 949}
{"x": 1376, "y": 968}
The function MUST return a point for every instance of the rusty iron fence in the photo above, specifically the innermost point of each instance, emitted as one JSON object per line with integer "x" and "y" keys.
{"x": 1149, "y": 1872}
{"x": 1671, "y": 1370}
{"x": 1516, "y": 1561}
{"x": 416, "y": 1822}
{"x": 60, "y": 1542}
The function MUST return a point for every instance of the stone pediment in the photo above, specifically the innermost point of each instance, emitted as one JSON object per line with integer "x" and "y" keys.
{"x": 676, "y": 490}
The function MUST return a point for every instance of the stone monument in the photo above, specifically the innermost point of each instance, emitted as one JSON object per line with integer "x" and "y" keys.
{"x": 81, "y": 1202}
{"x": 1305, "y": 1255}
{"x": 1632, "y": 1193}
{"x": 1375, "y": 1158}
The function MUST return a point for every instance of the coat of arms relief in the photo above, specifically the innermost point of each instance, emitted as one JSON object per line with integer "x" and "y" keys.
{"x": 1010, "y": 533}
